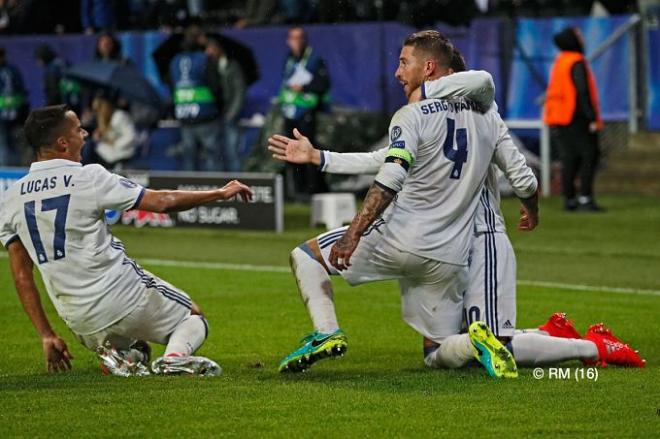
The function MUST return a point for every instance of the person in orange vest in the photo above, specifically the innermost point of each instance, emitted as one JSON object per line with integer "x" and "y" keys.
{"x": 573, "y": 114}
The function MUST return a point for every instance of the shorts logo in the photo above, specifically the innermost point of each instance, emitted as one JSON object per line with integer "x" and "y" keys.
{"x": 507, "y": 325}
{"x": 396, "y": 133}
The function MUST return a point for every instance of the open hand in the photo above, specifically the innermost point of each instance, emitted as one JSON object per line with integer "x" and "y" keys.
{"x": 57, "y": 355}
{"x": 299, "y": 150}
{"x": 234, "y": 188}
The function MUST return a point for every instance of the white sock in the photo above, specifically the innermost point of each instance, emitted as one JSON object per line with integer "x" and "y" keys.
{"x": 188, "y": 336}
{"x": 316, "y": 290}
{"x": 536, "y": 350}
{"x": 530, "y": 331}
{"x": 454, "y": 352}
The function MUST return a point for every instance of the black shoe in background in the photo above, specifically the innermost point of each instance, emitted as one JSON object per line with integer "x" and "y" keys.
{"x": 590, "y": 206}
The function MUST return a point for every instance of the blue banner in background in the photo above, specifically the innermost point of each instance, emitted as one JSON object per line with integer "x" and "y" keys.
{"x": 653, "y": 78}
{"x": 362, "y": 59}
{"x": 535, "y": 52}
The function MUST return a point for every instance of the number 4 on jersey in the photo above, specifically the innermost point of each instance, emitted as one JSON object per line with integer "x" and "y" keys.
{"x": 458, "y": 155}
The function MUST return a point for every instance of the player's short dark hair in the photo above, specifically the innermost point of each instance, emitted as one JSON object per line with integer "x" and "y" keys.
{"x": 432, "y": 43}
{"x": 44, "y": 125}
{"x": 457, "y": 63}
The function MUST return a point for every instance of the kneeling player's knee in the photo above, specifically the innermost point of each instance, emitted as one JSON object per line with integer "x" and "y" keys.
{"x": 299, "y": 254}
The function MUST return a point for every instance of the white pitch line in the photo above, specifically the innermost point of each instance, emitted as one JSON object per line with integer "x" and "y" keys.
{"x": 579, "y": 287}
{"x": 217, "y": 265}
{"x": 283, "y": 269}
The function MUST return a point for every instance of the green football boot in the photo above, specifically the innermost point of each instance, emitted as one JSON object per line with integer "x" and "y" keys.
{"x": 492, "y": 354}
{"x": 315, "y": 346}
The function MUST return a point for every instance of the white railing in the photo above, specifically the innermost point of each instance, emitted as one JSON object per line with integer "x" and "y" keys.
{"x": 544, "y": 136}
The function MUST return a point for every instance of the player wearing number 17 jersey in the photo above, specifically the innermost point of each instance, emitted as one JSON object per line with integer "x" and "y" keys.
{"x": 54, "y": 218}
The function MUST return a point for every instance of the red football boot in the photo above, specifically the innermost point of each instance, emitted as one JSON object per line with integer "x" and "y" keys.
{"x": 559, "y": 326}
{"x": 611, "y": 350}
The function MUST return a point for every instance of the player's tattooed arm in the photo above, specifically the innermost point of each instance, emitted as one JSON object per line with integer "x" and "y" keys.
{"x": 56, "y": 352}
{"x": 375, "y": 203}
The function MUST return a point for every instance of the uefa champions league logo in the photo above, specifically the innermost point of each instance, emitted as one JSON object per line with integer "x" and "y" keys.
{"x": 396, "y": 133}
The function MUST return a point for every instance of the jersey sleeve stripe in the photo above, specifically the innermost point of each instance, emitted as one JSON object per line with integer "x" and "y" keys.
{"x": 138, "y": 199}
{"x": 322, "y": 164}
{"x": 10, "y": 240}
{"x": 384, "y": 187}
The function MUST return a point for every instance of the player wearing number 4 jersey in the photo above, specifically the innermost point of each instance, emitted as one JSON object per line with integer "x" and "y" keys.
{"x": 436, "y": 164}
{"x": 54, "y": 218}
{"x": 491, "y": 293}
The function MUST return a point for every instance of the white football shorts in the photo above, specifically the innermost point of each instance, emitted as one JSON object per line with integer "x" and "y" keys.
{"x": 491, "y": 294}
{"x": 160, "y": 310}
{"x": 431, "y": 291}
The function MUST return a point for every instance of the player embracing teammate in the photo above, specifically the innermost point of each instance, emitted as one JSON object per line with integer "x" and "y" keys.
{"x": 490, "y": 284}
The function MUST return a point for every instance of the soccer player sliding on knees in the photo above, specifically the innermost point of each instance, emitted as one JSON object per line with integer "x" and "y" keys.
{"x": 54, "y": 219}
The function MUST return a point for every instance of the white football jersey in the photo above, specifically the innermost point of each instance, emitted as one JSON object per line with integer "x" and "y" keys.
{"x": 58, "y": 212}
{"x": 441, "y": 150}
{"x": 478, "y": 86}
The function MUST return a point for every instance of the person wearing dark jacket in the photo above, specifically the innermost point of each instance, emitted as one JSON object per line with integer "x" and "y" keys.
{"x": 304, "y": 92}
{"x": 14, "y": 108}
{"x": 57, "y": 88}
{"x": 233, "y": 95}
{"x": 197, "y": 95}
{"x": 572, "y": 111}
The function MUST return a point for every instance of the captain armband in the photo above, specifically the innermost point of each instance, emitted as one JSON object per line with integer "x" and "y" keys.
{"x": 400, "y": 157}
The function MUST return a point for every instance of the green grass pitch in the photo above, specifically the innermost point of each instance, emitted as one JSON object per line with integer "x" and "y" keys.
{"x": 380, "y": 388}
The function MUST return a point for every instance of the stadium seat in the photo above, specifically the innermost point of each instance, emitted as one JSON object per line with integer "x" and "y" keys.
{"x": 333, "y": 209}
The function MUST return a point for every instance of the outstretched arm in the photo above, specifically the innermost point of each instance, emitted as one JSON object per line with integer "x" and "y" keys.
{"x": 56, "y": 352}
{"x": 175, "y": 201}
{"x": 300, "y": 150}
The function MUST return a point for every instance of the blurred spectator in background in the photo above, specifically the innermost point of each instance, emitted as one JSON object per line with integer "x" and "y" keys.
{"x": 303, "y": 93}
{"x": 13, "y": 111}
{"x": 197, "y": 96}
{"x": 97, "y": 15}
{"x": 114, "y": 139}
{"x": 108, "y": 48}
{"x": 57, "y": 88}
{"x": 573, "y": 114}
{"x": 257, "y": 12}
{"x": 297, "y": 11}
{"x": 196, "y": 8}
{"x": 6, "y": 9}
{"x": 233, "y": 98}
